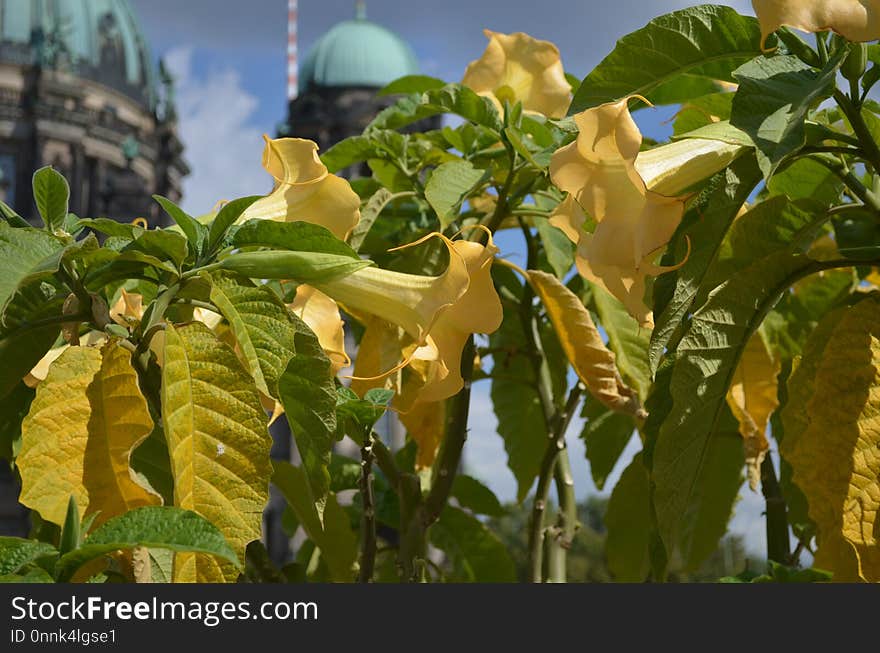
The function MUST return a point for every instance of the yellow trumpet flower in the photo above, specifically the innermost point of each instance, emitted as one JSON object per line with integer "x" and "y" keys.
{"x": 321, "y": 314}
{"x": 453, "y": 306}
{"x": 304, "y": 189}
{"x": 856, "y": 20}
{"x": 632, "y": 197}
{"x": 518, "y": 67}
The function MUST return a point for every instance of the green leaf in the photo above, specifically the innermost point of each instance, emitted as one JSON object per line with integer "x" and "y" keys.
{"x": 412, "y": 84}
{"x": 345, "y": 153}
{"x": 304, "y": 267}
{"x": 13, "y": 407}
{"x": 374, "y": 206}
{"x": 452, "y": 98}
{"x": 704, "y": 226}
{"x": 110, "y": 227}
{"x": 605, "y": 434}
{"x": 628, "y": 520}
{"x": 51, "y": 194}
{"x": 11, "y": 217}
{"x": 70, "y": 530}
{"x": 292, "y": 236}
{"x": 218, "y": 441}
{"x": 151, "y": 461}
{"x": 264, "y": 327}
{"x": 476, "y": 553}
{"x": 769, "y": 227}
{"x": 332, "y": 535}
{"x": 774, "y": 97}
{"x": 308, "y": 393}
{"x": 16, "y": 553}
{"x": 364, "y": 413}
{"x": 161, "y": 244}
{"x": 807, "y": 179}
{"x": 24, "y": 253}
{"x": 161, "y": 527}
{"x": 475, "y": 496}
{"x": 673, "y": 58}
{"x": 558, "y": 248}
{"x": 707, "y": 357}
{"x": 22, "y": 345}
{"x": 516, "y": 404}
{"x": 448, "y": 186}
{"x": 226, "y": 217}
{"x": 196, "y": 233}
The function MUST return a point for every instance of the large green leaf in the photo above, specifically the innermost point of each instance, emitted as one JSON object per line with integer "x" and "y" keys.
{"x": 218, "y": 442}
{"x": 448, "y": 186}
{"x": 475, "y": 496}
{"x": 521, "y": 422}
{"x": 673, "y": 58}
{"x": 226, "y": 217}
{"x": 412, "y": 84}
{"x": 21, "y": 344}
{"x": 558, "y": 249}
{"x": 774, "y": 97}
{"x": 703, "y": 230}
{"x": 196, "y": 233}
{"x": 51, "y": 195}
{"x": 332, "y": 535}
{"x": 605, "y": 434}
{"x": 16, "y": 553}
{"x": 13, "y": 407}
{"x": 263, "y": 327}
{"x": 161, "y": 527}
{"x": 707, "y": 357}
{"x": 476, "y": 553}
{"x": 308, "y": 392}
{"x": 294, "y": 236}
{"x": 628, "y": 520}
{"x": 452, "y": 98}
{"x": 24, "y": 253}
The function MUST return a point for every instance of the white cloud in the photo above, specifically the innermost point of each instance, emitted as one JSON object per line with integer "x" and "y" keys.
{"x": 222, "y": 147}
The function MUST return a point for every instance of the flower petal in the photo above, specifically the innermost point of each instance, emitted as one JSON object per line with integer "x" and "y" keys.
{"x": 518, "y": 67}
{"x": 857, "y": 20}
{"x": 322, "y": 315}
{"x": 304, "y": 190}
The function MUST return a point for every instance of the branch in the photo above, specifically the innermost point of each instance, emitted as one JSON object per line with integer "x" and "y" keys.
{"x": 368, "y": 524}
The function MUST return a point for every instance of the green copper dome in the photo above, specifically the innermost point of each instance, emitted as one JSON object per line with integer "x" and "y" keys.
{"x": 96, "y": 39}
{"x": 357, "y": 53}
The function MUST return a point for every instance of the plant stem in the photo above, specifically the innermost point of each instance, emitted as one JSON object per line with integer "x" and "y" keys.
{"x": 853, "y": 183}
{"x": 443, "y": 474}
{"x": 778, "y": 545}
{"x": 566, "y": 520}
{"x": 385, "y": 461}
{"x": 368, "y": 523}
{"x": 860, "y": 127}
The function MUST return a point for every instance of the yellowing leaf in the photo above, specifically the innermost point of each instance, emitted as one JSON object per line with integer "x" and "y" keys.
{"x": 857, "y": 20}
{"x": 218, "y": 444}
{"x": 583, "y": 346}
{"x": 836, "y": 456}
{"x": 87, "y": 417}
{"x": 752, "y": 397}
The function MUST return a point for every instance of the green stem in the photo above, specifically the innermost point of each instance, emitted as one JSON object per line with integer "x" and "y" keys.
{"x": 860, "y": 127}
{"x": 368, "y": 522}
{"x": 778, "y": 545}
{"x": 197, "y": 304}
{"x": 852, "y": 182}
{"x": 566, "y": 520}
{"x": 385, "y": 461}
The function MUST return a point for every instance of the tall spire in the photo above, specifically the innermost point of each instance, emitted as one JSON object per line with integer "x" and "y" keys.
{"x": 292, "y": 55}
{"x": 360, "y": 10}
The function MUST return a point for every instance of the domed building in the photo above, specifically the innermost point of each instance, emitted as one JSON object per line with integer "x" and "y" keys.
{"x": 79, "y": 90}
{"x": 335, "y": 95}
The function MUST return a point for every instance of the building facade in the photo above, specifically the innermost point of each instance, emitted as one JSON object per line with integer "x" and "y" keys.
{"x": 79, "y": 91}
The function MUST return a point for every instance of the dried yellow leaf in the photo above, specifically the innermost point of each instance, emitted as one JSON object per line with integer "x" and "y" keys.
{"x": 753, "y": 397}
{"x": 593, "y": 362}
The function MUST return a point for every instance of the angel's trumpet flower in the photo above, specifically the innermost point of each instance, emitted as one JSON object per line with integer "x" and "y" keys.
{"x": 304, "y": 189}
{"x": 518, "y": 67}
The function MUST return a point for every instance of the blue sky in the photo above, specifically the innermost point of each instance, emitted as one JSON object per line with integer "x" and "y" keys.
{"x": 229, "y": 58}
